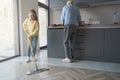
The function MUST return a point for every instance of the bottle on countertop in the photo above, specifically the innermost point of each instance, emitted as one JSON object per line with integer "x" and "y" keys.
{"x": 115, "y": 18}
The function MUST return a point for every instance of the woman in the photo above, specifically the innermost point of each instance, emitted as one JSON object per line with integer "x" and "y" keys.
{"x": 31, "y": 27}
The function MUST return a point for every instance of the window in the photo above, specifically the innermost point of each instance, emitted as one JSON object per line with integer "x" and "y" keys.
{"x": 8, "y": 45}
{"x": 44, "y": 2}
{"x": 43, "y": 20}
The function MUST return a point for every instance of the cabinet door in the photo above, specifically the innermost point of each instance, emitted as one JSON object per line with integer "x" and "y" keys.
{"x": 92, "y": 1}
{"x": 55, "y": 43}
{"x": 61, "y": 3}
{"x": 94, "y": 42}
{"x": 112, "y": 43}
{"x": 57, "y": 3}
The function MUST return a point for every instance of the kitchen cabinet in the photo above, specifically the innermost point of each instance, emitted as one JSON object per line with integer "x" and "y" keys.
{"x": 112, "y": 43}
{"x": 92, "y": 1}
{"x": 98, "y": 44}
{"x": 58, "y": 4}
{"x": 89, "y": 43}
{"x": 55, "y": 43}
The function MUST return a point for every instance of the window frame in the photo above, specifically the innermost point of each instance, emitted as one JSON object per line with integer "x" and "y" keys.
{"x": 47, "y": 8}
{"x": 16, "y": 29}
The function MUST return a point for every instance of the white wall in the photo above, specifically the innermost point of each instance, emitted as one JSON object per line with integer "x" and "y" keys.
{"x": 24, "y": 7}
{"x": 102, "y": 13}
{"x": 55, "y": 16}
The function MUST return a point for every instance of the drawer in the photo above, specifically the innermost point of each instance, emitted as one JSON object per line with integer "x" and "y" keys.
{"x": 80, "y": 46}
{"x": 80, "y": 39}
{"x": 79, "y": 52}
{"x": 81, "y": 32}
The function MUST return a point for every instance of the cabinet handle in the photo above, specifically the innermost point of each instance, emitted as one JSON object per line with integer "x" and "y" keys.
{"x": 80, "y": 35}
{"x": 79, "y": 42}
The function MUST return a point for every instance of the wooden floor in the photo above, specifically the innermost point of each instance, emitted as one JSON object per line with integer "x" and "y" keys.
{"x": 17, "y": 68}
{"x": 17, "y": 71}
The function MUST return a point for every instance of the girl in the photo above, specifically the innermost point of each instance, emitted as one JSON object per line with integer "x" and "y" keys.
{"x": 31, "y": 27}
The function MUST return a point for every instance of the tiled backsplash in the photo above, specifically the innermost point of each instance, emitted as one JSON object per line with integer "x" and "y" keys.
{"x": 104, "y": 14}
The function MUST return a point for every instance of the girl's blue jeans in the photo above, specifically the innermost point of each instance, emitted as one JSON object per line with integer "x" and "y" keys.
{"x": 34, "y": 45}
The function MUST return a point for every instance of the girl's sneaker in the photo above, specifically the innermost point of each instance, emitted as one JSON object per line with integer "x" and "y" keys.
{"x": 28, "y": 60}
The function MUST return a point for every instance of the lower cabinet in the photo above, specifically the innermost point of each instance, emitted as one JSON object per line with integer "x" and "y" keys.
{"x": 94, "y": 43}
{"x": 55, "y": 43}
{"x": 89, "y": 43}
{"x": 112, "y": 43}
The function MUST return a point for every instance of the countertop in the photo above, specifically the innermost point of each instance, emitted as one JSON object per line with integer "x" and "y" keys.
{"x": 99, "y": 26}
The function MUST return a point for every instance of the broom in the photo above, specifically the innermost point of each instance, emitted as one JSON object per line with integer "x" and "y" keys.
{"x": 37, "y": 70}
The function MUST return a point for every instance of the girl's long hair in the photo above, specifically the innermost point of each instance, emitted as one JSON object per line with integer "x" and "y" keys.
{"x": 33, "y": 11}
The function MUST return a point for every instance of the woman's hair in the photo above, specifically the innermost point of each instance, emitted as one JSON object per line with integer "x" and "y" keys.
{"x": 33, "y": 11}
{"x": 69, "y": 2}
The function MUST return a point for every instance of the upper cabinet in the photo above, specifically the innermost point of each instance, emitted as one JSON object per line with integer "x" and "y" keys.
{"x": 92, "y": 1}
{"x": 58, "y": 4}
{"x": 105, "y": 3}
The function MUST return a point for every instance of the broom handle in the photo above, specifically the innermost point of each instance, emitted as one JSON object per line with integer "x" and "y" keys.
{"x": 33, "y": 56}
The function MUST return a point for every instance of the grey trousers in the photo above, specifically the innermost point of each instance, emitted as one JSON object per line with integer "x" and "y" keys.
{"x": 69, "y": 40}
